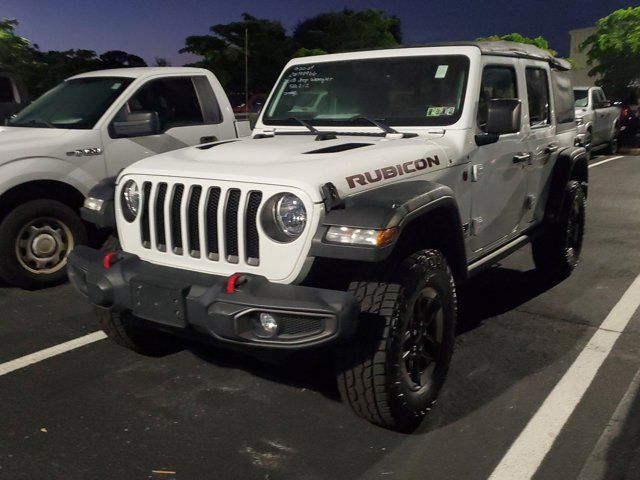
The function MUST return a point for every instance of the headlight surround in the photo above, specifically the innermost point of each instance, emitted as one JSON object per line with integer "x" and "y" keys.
{"x": 130, "y": 200}
{"x": 284, "y": 217}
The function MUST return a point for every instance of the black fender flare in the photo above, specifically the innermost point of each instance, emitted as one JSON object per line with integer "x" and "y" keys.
{"x": 395, "y": 205}
{"x": 104, "y": 190}
{"x": 571, "y": 164}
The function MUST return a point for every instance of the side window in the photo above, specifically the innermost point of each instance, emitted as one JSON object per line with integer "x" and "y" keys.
{"x": 174, "y": 99}
{"x": 538, "y": 93}
{"x": 6, "y": 90}
{"x": 497, "y": 82}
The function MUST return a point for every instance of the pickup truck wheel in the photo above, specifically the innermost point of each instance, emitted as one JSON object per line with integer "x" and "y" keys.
{"x": 123, "y": 328}
{"x": 588, "y": 144}
{"x": 35, "y": 241}
{"x": 612, "y": 147}
{"x": 557, "y": 251}
{"x": 391, "y": 372}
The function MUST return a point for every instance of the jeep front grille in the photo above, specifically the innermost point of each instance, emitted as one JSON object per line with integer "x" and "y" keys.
{"x": 204, "y": 222}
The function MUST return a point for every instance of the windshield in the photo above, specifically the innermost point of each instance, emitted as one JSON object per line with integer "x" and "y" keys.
{"x": 582, "y": 98}
{"x": 75, "y": 103}
{"x": 426, "y": 90}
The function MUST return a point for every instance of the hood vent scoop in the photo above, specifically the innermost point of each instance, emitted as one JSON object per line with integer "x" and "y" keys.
{"x": 338, "y": 148}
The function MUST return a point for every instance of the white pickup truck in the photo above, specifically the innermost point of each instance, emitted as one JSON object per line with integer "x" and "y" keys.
{"x": 597, "y": 119}
{"x": 81, "y": 132}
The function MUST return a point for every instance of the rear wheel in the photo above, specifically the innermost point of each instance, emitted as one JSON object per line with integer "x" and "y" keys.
{"x": 557, "y": 251}
{"x": 392, "y": 371}
{"x": 35, "y": 241}
{"x": 612, "y": 147}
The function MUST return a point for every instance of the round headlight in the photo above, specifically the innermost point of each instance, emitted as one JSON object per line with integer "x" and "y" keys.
{"x": 130, "y": 200}
{"x": 284, "y": 217}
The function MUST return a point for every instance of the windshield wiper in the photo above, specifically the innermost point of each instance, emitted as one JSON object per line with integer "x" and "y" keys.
{"x": 319, "y": 135}
{"x": 382, "y": 126}
{"x": 34, "y": 123}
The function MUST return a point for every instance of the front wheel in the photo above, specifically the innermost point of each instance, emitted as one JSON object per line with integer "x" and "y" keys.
{"x": 392, "y": 370}
{"x": 35, "y": 241}
{"x": 557, "y": 251}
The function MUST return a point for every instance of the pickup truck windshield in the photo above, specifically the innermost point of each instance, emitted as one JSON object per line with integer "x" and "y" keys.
{"x": 77, "y": 104}
{"x": 419, "y": 90}
{"x": 582, "y": 98}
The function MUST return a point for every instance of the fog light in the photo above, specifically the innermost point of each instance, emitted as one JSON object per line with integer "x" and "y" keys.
{"x": 269, "y": 324}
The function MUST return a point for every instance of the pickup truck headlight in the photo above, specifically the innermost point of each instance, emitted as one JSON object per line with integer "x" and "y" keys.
{"x": 130, "y": 200}
{"x": 284, "y": 217}
{"x": 579, "y": 121}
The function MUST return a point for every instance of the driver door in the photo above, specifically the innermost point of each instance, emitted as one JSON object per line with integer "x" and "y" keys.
{"x": 184, "y": 118}
{"x": 499, "y": 177}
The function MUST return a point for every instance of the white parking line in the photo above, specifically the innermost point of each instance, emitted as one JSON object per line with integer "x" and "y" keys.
{"x": 534, "y": 442}
{"x": 606, "y": 160}
{"x": 36, "y": 357}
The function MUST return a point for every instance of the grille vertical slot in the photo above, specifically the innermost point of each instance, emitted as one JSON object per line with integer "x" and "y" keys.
{"x": 176, "y": 218}
{"x": 213, "y": 252}
{"x": 252, "y": 239}
{"x": 193, "y": 221}
{"x": 145, "y": 232}
{"x": 231, "y": 225}
{"x": 161, "y": 234}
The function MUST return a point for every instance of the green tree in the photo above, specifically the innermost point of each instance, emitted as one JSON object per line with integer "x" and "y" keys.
{"x": 15, "y": 51}
{"x": 347, "y": 30}
{"x": 223, "y": 52}
{"x": 120, "y": 59}
{"x": 613, "y": 51}
{"x": 539, "y": 42}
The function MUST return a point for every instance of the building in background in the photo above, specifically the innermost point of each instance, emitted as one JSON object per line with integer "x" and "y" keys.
{"x": 580, "y": 71}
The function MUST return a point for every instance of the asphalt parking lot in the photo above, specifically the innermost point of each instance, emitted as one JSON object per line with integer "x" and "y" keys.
{"x": 102, "y": 412}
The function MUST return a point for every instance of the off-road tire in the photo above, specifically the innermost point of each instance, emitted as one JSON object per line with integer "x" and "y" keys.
{"x": 12, "y": 226}
{"x": 370, "y": 371}
{"x": 556, "y": 252}
{"x": 124, "y": 329}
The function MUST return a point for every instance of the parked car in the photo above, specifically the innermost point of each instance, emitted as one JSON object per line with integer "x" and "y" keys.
{"x": 256, "y": 102}
{"x": 353, "y": 225}
{"x": 13, "y": 95}
{"x": 90, "y": 127}
{"x": 597, "y": 119}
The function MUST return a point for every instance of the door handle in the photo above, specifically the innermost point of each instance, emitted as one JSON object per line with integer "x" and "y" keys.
{"x": 551, "y": 149}
{"x": 521, "y": 157}
{"x": 209, "y": 139}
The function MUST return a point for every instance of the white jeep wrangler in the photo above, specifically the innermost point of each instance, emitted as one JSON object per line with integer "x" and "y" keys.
{"x": 375, "y": 183}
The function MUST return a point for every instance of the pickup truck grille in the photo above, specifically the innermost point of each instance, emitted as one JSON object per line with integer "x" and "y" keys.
{"x": 211, "y": 223}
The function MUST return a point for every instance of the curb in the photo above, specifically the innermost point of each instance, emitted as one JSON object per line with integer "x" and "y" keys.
{"x": 629, "y": 151}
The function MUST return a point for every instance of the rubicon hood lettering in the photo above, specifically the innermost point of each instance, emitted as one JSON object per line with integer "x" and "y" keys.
{"x": 386, "y": 173}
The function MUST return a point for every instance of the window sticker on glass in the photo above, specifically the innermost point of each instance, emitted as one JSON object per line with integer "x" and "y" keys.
{"x": 441, "y": 72}
{"x": 116, "y": 85}
{"x": 441, "y": 111}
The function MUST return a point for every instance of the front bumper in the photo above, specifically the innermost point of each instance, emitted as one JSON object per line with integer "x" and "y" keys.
{"x": 200, "y": 304}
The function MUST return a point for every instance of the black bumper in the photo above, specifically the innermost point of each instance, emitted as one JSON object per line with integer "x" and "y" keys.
{"x": 200, "y": 303}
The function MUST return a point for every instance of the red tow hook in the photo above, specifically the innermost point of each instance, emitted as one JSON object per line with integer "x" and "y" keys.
{"x": 109, "y": 259}
{"x": 234, "y": 281}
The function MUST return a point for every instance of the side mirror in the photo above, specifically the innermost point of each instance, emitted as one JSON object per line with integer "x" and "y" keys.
{"x": 137, "y": 124}
{"x": 503, "y": 116}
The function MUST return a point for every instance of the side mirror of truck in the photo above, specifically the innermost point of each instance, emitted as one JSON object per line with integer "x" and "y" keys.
{"x": 137, "y": 124}
{"x": 503, "y": 116}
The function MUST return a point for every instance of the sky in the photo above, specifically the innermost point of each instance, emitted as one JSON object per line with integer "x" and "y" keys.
{"x": 157, "y": 28}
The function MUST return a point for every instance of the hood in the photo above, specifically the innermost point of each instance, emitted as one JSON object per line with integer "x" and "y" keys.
{"x": 351, "y": 163}
{"x": 20, "y": 142}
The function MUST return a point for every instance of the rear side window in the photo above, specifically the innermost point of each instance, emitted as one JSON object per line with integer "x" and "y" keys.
{"x": 174, "y": 99}
{"x": 563, "y": 97}
{"x": 6, "y": 90}
{"x": 498, "y": 82}
{"x": 538, "y": 93}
